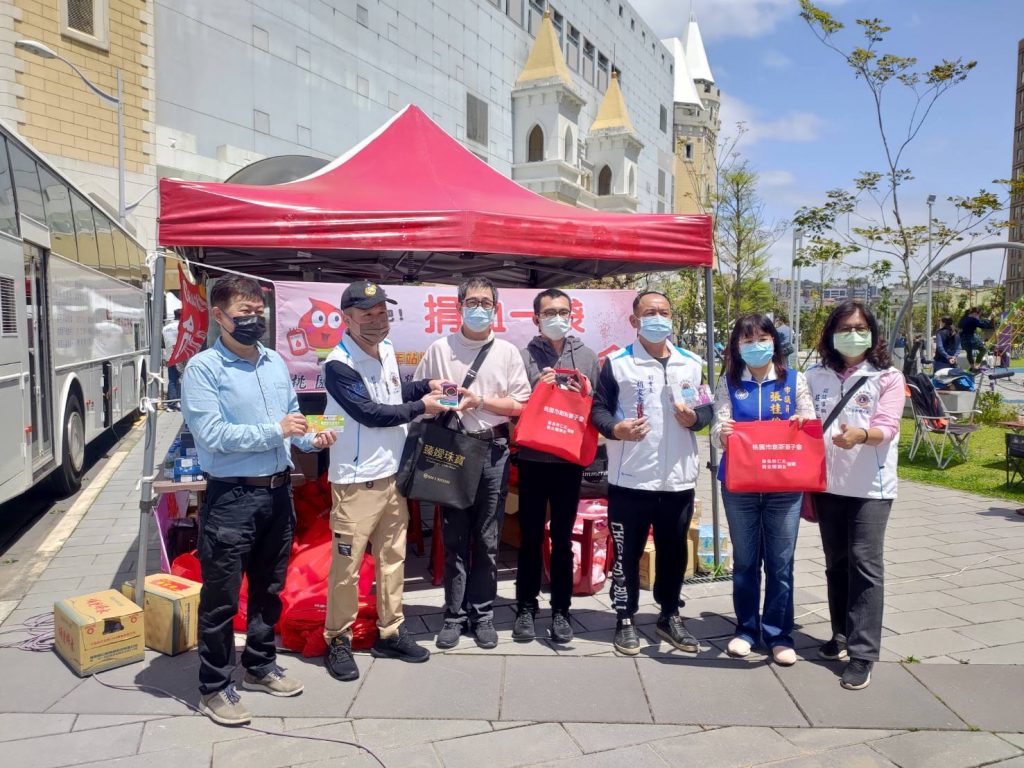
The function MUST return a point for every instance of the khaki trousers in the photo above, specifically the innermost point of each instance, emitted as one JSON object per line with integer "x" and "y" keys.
{"x": 373, "y": 512}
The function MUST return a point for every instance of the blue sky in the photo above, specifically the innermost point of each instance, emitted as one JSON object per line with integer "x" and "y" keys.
{"x": 811, "y": 124}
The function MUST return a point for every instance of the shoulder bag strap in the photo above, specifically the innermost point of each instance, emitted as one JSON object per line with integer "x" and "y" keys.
{"x": 471, "y": 374}
{"x": 842, "y": 403}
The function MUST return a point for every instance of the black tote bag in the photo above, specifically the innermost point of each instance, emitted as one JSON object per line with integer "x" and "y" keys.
{"x": 441, "y": 465}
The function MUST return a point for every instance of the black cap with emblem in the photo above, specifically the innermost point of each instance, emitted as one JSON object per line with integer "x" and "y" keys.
{"x": 363, "y": 294}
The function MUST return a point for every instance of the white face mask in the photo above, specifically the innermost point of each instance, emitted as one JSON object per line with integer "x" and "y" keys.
{"x": 554, "y": 328}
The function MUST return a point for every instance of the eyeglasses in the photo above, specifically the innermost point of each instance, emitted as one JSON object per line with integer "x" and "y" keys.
{"x": 858, "y": 328}
{"x": 481, "y": 303}
{"x": 552, "y": 313}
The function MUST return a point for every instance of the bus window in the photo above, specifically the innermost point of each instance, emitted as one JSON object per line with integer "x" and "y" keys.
{"x": 8, "y": 212}
{"x": 85, "y": 228}
{"x": 121, "y": 255}
{"x": 104, "y": 244}
{"x": 137, "y": 258}
{"x": 57, "y": 201}
{"x": 26, "y": 184}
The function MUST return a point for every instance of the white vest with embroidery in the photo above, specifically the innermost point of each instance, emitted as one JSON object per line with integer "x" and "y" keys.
{"x": 864, "y": 471}
{"x": 363, "y": 453}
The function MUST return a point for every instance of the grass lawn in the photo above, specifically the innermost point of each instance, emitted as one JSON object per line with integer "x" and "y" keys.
{"x": 984, "y": 473}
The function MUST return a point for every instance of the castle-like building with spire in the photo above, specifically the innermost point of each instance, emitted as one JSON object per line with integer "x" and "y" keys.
{"x": 596, "y": 166}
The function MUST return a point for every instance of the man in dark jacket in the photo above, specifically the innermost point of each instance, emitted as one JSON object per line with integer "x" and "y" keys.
{"x": 947, "y": 346}
{"x": 969, "y": 325}
{"x": 544, "y": 478}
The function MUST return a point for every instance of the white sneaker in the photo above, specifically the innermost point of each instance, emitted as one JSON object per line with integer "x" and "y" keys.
{"x": 784, "y": 657}
{"x": 738, "y": 647}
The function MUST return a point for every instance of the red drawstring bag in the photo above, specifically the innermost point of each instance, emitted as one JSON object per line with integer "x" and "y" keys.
{"x": 775, "y": 457}
{"x": 557, "y": 421}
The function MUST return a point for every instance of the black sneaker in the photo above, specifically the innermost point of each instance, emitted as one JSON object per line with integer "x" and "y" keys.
{"x": 626, "y": 641}
{"x": 399, "y": 646}
{"x": 339, "y": 661}
{"x": 523, "y": 630}
{"x": 561, "y": 629}
{"x": 833, "y": 650}
{"x": 486, "y": 636}
{"x": 672, "y": 631}
{"x": 857, "y": 674}
{"x": 450, "y": 633}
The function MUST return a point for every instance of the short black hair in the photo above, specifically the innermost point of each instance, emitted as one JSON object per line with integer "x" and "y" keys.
{"x": 946, "y": 321}
{"x": 477, "y": 282}
{"x": 177, "y": 314}
{"x": 550, "y": 293}
{"x": 639, "y": 296}
{"x": 232, "y": 287}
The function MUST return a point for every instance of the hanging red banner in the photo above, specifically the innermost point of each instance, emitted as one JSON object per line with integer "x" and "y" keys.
{"x": 194, "y": 319}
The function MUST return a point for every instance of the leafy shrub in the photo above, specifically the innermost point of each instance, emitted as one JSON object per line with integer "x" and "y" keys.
{"x": 994, "y": 409}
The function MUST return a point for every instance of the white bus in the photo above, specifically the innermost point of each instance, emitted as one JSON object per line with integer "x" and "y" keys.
{"x": 73, "y": 325}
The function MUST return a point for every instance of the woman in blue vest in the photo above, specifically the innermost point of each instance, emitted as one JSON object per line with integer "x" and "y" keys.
{"x": 757, "y": 386}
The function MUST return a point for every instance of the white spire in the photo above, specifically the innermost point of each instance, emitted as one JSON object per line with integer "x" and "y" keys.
{"x": 685, "y": 90}
{"x": 696, "y": 57}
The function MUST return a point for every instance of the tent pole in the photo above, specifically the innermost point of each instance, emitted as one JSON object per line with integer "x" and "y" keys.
{"x": 146, "y": 505}
{"x": 709, "y": 321}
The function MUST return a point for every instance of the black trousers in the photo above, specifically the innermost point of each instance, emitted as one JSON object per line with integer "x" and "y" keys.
{"x": 244, "y": 530}
{"x": 853, "y": 535}
{"x": 471, "y": 544}
{"x": 631, "y": 513}
{"x": 540, "y": 483}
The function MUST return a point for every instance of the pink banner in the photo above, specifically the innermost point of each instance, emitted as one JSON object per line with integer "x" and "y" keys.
{"x": 309, "y": 323}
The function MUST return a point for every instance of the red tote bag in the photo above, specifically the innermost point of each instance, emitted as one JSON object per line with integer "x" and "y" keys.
{"x": 774, "y": 457}
{"x": 557, "y": 421}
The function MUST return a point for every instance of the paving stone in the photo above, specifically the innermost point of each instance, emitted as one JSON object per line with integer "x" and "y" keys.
{"x": 945, "y": 748}
{"x": 278, "y": 751}
{"x": 642, "y": 756}
{"x": 981, "y": 577}
{"x": 504, "y": 749}
{"x": 847, "y": 757}
{"x": 986, "y": 696}
{"x": 725, "y": 748}
{"x": 987, "y": 593}
{"x": 996, "y": 632}
{"x": 915, "y": 621}
{"x": 16, "y": 725}
{"x": 183, "y": 757}
{"x": 176, "y": 675}
{"x": 962, "y": 548}
{"x": 86, "y": 722}
{"x": 916, "y": 569}
{"x": 723, "y": 692}
{"x": 931, "y": 642}
{"x": 74, "y": 748}
{"x": 913, "y": 555}
{"x": 598, "y": 737}
{"x": 298, "y": 723}
{"x": 913, "y": 586}
{"x": 980, "y": 613}
{"x": 817, "y": 739}
{"x": 395, "y": 734}
{"x": 196, "y": 730}
{"x": 33, "y": 682}
{"x": 1000, "y": 654}
{"x": 1017, "y": 739}
{"x": 894, "y": 700}
{"x": 447, "y": 687}
{"x": 581, "y": 694}
{"x": 920, "y": 601}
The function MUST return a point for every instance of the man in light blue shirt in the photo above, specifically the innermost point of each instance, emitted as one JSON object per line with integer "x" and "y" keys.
{"x": 239, "y": 404}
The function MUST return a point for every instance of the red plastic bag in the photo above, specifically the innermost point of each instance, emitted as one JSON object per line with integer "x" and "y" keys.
{"x": 557, "y": 421}
{"x": 774, "y": 457}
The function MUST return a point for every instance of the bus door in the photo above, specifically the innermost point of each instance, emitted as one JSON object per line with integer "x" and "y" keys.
{"x": 13, "y": 368}
{"x": 39, "y": 368}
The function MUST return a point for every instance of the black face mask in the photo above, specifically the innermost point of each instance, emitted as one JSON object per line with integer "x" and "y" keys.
{"x": 248, "y": 329}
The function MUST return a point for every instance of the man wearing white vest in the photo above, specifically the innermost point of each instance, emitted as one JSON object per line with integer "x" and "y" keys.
{"x": 363, "y": 384}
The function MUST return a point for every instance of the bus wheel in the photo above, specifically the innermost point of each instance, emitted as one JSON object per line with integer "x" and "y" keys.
{"x": 67, "y": 478}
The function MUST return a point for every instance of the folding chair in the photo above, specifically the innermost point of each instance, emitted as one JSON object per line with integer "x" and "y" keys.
{"x": 1014, "y": 458}
{"x": 933, "y": 426}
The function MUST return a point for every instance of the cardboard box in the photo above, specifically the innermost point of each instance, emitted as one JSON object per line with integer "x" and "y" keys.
{"x": 98, "y": 631}
{"x": 649, "y": 557}
{"x": 172, "y": 612}
{"x": 511, "y": 534}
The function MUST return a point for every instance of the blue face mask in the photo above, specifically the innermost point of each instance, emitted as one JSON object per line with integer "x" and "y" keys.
{"x": 655, "y": 328}
{"x": 477, "y": 319}
{"x": 757, "y": 353}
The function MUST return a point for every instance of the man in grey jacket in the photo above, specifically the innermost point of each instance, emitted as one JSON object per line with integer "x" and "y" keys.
{"x": 544, "y": 478}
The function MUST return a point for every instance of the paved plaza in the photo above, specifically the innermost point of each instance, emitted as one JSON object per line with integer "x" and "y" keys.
{"x": 948, "y": 692}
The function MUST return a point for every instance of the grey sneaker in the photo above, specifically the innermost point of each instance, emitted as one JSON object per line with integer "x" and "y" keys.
{"x": 524, "y": 630}
{"x": 485, "y": 634}
{"x": 275, "y": 682}
{"x": 225, "y": 707}
{"x": 450, "y": 633}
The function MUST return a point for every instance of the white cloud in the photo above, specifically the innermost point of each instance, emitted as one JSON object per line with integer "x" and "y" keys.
{"x": 777, "y": 178}
{"x": 773, "y": 59}
{"x": 792, "y": 126}
{"x": 719, "y": 18}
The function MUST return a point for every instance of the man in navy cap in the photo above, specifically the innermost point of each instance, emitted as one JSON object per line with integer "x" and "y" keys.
{"x": 362, "y": 381}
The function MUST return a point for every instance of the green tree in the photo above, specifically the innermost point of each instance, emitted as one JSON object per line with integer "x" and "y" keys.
{"x": 875, "y": 199}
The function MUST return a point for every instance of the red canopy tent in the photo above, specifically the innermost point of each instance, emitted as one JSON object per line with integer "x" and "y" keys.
{"x": 411, "y": 203}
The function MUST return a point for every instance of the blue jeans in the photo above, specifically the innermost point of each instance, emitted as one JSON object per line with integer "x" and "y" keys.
{"x": 763, "y": 528}
{"x": 173, "y": 387}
